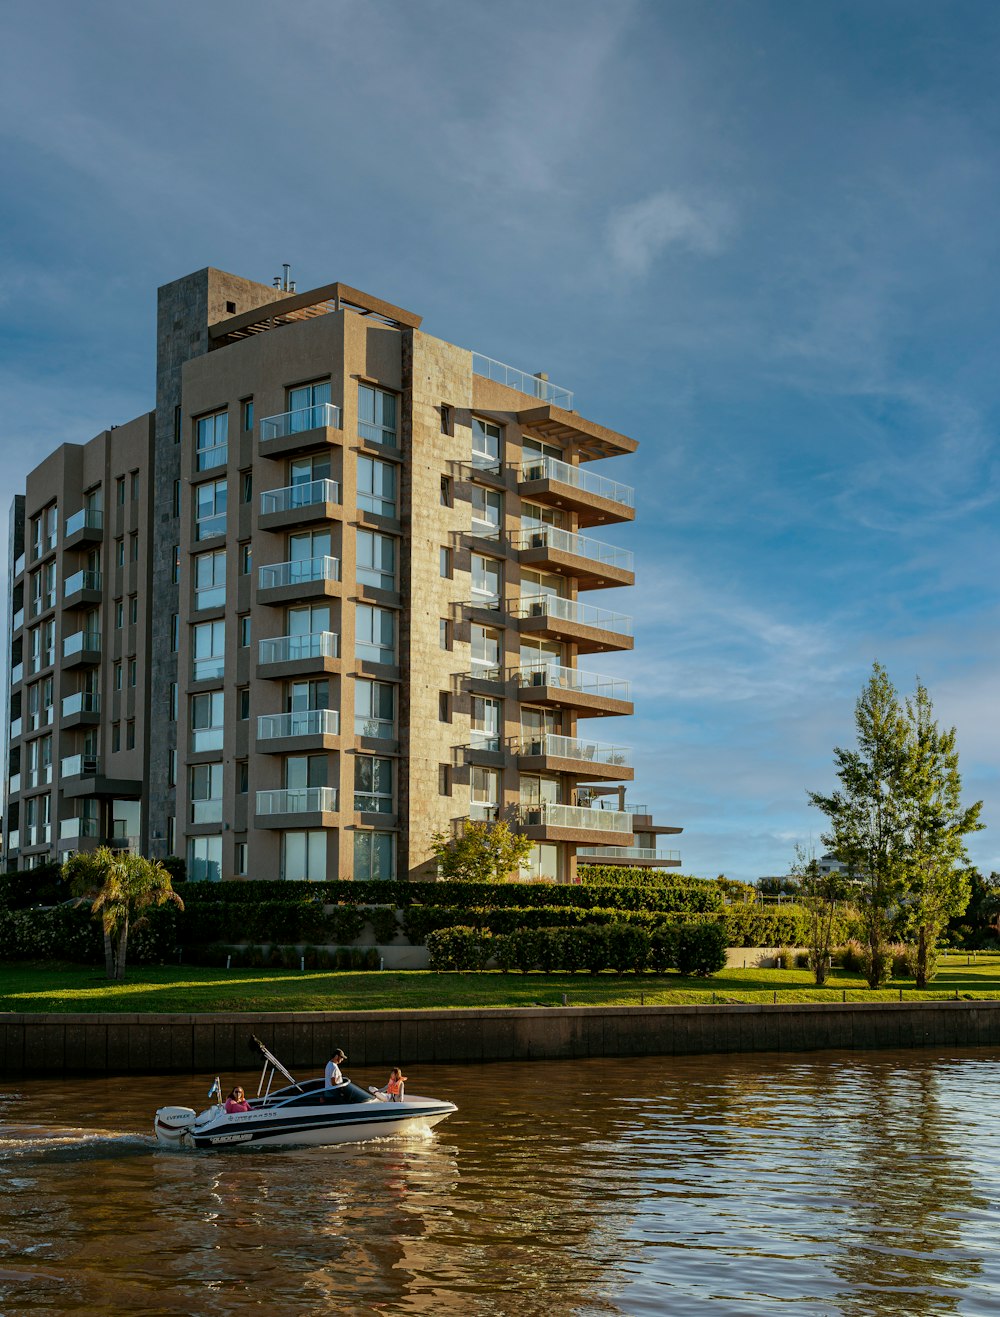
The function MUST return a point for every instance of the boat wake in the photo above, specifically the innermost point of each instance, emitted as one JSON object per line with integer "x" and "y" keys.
{"x": 48, "y": 1143}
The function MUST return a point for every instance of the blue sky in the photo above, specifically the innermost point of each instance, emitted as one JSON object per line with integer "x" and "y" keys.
{"x": 760, "y": 237}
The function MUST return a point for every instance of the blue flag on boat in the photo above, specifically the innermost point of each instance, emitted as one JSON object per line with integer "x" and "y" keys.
{"x": 216, "y": 1090}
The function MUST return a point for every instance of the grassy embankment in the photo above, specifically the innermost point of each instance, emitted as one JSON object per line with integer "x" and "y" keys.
{"x": 182, "y": 989}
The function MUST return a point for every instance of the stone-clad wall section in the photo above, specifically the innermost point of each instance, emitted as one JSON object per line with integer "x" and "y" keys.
{"x": 124, "y": 1044}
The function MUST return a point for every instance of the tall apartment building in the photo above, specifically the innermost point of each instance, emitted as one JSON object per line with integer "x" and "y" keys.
{"x": 330, "y": 598}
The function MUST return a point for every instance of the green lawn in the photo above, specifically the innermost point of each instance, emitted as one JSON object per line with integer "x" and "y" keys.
{"x": 178, "y": 988}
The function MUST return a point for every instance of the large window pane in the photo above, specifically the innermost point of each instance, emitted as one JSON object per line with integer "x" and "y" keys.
{"x": 374, "y": 855}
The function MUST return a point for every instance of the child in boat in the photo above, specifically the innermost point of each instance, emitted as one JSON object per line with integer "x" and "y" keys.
{"x": 394, "y": 1086}
{"x": 236, "y": 1101}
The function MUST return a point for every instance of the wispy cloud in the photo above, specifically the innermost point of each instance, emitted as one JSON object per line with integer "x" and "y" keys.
{"x": 639, "y": 233}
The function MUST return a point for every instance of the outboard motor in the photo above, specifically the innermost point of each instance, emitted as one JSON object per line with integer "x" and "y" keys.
{"x": 171, "y": 1125}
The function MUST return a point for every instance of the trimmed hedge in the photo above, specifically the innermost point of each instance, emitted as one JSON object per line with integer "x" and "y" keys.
{"x": 284, "y": 921}
{"x": 67, "y": 932}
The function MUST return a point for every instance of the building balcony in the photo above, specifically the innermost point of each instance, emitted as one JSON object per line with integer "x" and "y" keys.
{"x": 297, "y": 807}
{"x": 304, "y": 729}
{"x": 304, "y": 578}
{"x": 588, "y": 627}
{"x": 19, "y": 566}
{"x": 14, "y": 841}
{"x": 81, "y": 589}
{"x": 297, "y": 505}
{"x": 82, "y": 709}
{"x": 17, "y": 619}
{"x": 14, "y": 784}
{"x": 79, "y": 766}
{"x": 16, "y": 727}
{"x": 568, "y": 754}
{"x": 305, "y": 428}
{"x": 571, "y": 432}
{"x": 75, "y": 828}
{"x": 84, "y": 527}
{"x": 594, "y": 498}
{"x": 80, "y": 775}
{"x": 16, "y": 674}
{"x": 81, "y": 649}
{"x": 546, "y": 821}
{"x": 535, "y": 386}
{"x": 635, "y": 856}
{"x": 560, "y": 687}
{"x": 593, "y": 563}
{"x": 291, "y": 656}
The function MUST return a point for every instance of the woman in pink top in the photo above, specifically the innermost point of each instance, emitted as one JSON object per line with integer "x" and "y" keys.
{"x": 236, "y": 1101}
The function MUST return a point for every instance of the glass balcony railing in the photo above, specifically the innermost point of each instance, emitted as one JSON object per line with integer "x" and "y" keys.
{"x": 383, "y": 729}
{"x": 81, "y": 642}
{"x": 571, "y": 610}
{"x": 206, "y": 811}
{"x": 547, "y": 814}
{"x": 71, "y": 829}
{"x": 288, "y": 649}
{"x": 16, "y": 673}
{"x": 18, "y": 619}
{"x": 79, "y": 766}
{"x": 80, "y": 702}
{"x": 300, "y": 572}
{"x": 302, "y": 722}
{"x": 298, "y": 800}
{"x": 309, "y": 494}
{"x": 13, "y": 841}
{"x": 323, "y": 415}
{"x": 16, "y": 727}
{"x": 207, "y": 738}
{"x": 81, "y": 581}
{"x": 572, "y": 679}
{"x": 14, "y": 784}
{"x": 85, "y": 519}
{"x": 609, "y": 802}
{"x": 580, "y": 546}
{"x": 533, "y": 385}
{"x": 571, "y": 747}
{"x": 540, "y": 467}
{"x": 19, "y": 564}
{"x": 627, "y": 853}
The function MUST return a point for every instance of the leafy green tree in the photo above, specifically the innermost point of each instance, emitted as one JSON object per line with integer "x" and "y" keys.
{"x": 85, "y": 872}
{"x": 123, "y": 887}
{"x": 937, "y": 823}
{"x": 820, "y": 895}
{"x": 867, "y": 817}
{"x": 486, "y": 852}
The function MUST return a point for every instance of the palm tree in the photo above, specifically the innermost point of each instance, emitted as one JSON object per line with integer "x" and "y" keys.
{"x": 123, "y": 886}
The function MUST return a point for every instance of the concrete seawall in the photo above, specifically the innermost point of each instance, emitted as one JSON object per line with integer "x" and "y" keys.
{"x": 57, "y": 1044}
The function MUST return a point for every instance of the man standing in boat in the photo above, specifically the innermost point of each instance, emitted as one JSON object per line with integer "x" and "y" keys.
{"x": 332, "y": 1072}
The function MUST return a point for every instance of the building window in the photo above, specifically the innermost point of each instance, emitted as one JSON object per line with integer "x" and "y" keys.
{"x": 244, "y": 630}
{"x": 120, "y": 491}
{"x": 247, "y": 486}
{"x": 484, "y": 793}
{"x": 303, "y": 856}
{"x": 308, "y": 404}
{"x": 212, "y": 441}
{"x": 130, "y": 734}
{"x": 133, "y": 609}
{"x": 171, "y": 834}
{"x": 377, "y": 415}
{"x": 375, "y": 634}
{"x": 206, "y": 793}
{"x": 172, "y": 711}
{"x": 242, "y": 776}
{"x": 487, "y": 721}
{"x": 133, "y": 668}
{"x": 376, "y": 486}
{"x": 175, "y": 633}
{"x": 487, "y": 512}
{"x": 445, "y": 418}
{"x": 49, "y": 581}
{"x": 240, "y": 851}
{"x": 446, "y": 496}
{"x": 175, "y": 574}
{"x": 207, "y": 721}
{"x": 243, "y": 703}
{"x": 487, "y": 441}
{"x": 204, "y": 859}
{"x": 542, "y": 863}
{"x": 444, "y": 562}
{"x": 444, "y": 779}
{"x": 444, "y": 633}
{"x": 177, "y": 425}
{"x": 210, "y": 579}
{"x": 116, "y": 737}
{"x": 119, "y": 614}
{"x": 374, "y": 855}
{"x": 210, "y": 509}
{"x": 120, "y": 552}
{"x": 209, "y": 648}
{"x": 376, "y": 560}
{"x": 172, "y": 769}
{"x": 372, "y": 785}
{"x": 117, "y": 671}
{"x": 444, "y": 707}
{"x": 246, "y": 558}
{"x": 134, "y": 546}
{"x": 374, "y": 708}
{"x": 485, "y": 651}
{"x": 135, "y": 486}
{"x": 247, "y": 406}
{"x": 487, "y": 580}
{"x": 177, "y": 498}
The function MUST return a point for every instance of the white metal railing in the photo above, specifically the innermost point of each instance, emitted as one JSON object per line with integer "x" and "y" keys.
{"x": 79, "y": 766}
{"x": 308, "y": 494}
{"x": 545, "y": 673}
{"x": 287, "y": 649}
{"x": 85, "y": 519}
{"x": 533, "y": 385}
{"x": 298, "y": 800}
{"x": 627, "y": 853}
{"x": 567, "y": 541}
{"x": 81, "y": 642}
{"x": 571, "y": 610}
{"x": 486, "y": 672}
{"x": 302, "y": 570}
{"x": 81, "y": 702}
{"x": 302, "y": 722}
{"x": 81, "y": 581}
{"x": 539, "y": 466}
{"x": 547, "y": 814}
{"x": 609, "y": 802}
{"x": 322, "y": 415}
{"x": 571, "y": 747}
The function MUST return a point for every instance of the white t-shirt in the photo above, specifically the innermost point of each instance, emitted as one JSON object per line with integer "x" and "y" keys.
{"x": 333, "y": 1075}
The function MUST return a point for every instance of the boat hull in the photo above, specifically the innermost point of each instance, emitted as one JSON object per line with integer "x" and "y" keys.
{"x": 314, "y": 1128}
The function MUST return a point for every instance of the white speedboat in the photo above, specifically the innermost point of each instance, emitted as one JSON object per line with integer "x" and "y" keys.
{"x": 302, "y": 1113}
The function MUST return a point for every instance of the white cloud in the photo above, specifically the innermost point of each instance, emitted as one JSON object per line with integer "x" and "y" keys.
{"x": 639, "y": 233}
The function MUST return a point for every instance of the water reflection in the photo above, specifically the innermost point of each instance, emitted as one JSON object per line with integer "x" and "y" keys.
{"x": 835, "y": 1184}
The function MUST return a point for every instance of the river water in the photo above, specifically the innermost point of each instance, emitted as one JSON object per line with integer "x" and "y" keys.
{"x": 833, "y": 1183}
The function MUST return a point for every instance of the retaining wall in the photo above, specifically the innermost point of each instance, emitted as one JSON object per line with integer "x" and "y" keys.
{"x": 122, "y": 1044}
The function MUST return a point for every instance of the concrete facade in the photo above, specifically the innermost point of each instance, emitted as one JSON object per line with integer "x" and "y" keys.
{"x": 364, "y": 571}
